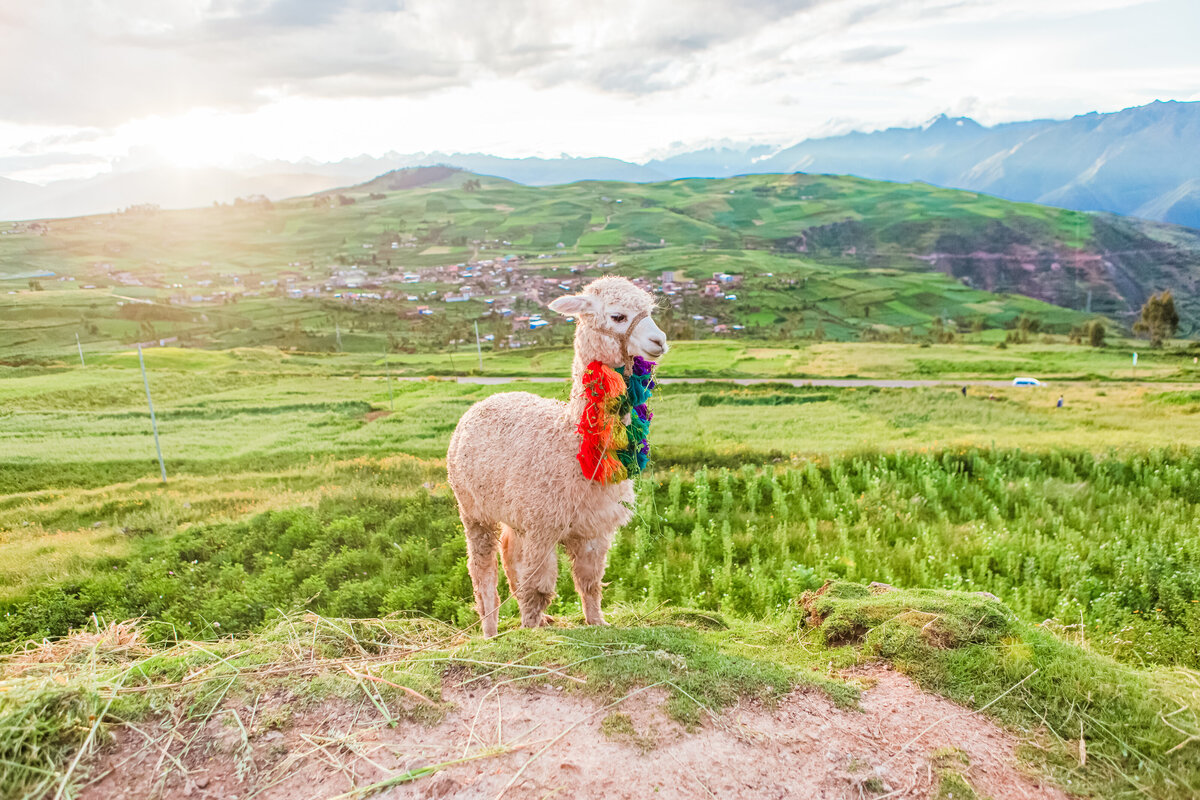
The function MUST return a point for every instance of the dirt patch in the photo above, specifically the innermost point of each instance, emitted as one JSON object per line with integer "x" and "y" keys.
{"x": 374, "y": 415}
{"x": 532, "y": 743}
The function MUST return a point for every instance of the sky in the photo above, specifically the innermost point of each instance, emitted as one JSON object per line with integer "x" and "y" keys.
{"x": 97, "y": 85}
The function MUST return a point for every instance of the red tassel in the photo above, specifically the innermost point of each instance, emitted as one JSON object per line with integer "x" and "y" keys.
{"x": 600, "y": 427}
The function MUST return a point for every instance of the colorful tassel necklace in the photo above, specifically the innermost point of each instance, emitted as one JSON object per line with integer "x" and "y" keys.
{"x": 611, "y": 450}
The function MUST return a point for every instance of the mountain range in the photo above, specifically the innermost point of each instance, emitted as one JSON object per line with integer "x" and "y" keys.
{"x": 1143, "y": 161}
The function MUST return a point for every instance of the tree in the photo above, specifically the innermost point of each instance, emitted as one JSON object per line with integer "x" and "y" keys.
{"x": 1159, "y": 319}
{"x": 1027, "y": 325}
{"x": 1096, "y": 332}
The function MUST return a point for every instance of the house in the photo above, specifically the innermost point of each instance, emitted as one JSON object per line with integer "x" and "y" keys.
{"x": 712, "y": 289}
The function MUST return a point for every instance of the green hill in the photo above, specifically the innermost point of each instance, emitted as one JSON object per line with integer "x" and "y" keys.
{"x": 812, "y": 256}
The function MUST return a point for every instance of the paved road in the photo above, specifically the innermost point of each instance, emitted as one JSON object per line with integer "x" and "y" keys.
{"x": 840, "y": 382}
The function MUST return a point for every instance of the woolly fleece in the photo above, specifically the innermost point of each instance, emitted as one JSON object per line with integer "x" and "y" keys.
{"x": 512, "y": 465}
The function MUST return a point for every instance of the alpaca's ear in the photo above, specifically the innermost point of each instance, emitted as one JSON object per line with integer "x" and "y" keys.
{"x": 573, "y": 304}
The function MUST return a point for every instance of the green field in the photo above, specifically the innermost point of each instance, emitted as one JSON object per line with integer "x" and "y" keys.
{"x": 315, "y": 484}
{"x": 244, "y": 434}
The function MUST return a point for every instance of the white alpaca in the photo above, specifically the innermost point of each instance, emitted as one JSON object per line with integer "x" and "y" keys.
{"x": 512, "y": 465}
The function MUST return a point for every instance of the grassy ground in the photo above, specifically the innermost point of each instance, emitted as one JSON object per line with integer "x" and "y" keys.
{"x": 697, "y": 359}
{"x": 56, "y": 701}
{"x": 72, "y": 427}
{"x": 919, "y": 486}
{"x": 1101, "y": 546}
{"x": 289, "y": 494}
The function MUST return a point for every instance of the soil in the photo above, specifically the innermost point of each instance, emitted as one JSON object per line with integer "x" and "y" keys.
{"x": 542, "y": 742}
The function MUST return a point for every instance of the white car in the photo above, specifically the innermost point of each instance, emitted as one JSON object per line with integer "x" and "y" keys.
{"x": 1026, "y": 382}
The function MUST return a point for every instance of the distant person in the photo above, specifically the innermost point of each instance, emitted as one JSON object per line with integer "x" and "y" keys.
{"x": 1060, "y": 401}
{"x": 964, "y": 391}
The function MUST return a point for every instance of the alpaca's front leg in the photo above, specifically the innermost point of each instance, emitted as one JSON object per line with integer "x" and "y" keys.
{"x": 588, "y": 557}
{"x": 537, "y": 573}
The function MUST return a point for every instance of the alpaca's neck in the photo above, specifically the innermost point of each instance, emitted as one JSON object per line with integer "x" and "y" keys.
{"x": 577, "y": 402}
{"x": 589, "y": 346}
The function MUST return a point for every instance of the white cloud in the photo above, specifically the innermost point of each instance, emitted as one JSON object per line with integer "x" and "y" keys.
{"x": 204, "y": 81}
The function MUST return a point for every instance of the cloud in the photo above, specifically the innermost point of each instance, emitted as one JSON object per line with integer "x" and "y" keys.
{"x": 205, "y": 79}
{"x": 107, "y": 61}
{"x": 869, "y": 53}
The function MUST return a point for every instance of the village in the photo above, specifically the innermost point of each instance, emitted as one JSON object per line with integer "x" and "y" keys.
{"x": 511, "y": 286}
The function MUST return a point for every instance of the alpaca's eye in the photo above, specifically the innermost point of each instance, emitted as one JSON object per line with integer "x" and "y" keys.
{"x": 618, "y": 317}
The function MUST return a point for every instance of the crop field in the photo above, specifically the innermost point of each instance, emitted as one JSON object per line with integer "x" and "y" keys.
{"x": 1080, "y": 514}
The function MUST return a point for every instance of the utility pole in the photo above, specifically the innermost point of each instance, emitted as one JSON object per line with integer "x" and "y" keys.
{"x": 162, "y": 468}
{"x": 388, "y": 370}
{"x": 478, "y": 349}
{"x": 80, "y": 346}
{"x": 337, "y": 330}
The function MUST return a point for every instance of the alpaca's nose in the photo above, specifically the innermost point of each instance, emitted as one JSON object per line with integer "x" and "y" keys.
{"x": 659, "y": 342}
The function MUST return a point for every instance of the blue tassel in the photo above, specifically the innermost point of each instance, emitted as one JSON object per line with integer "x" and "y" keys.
{"x": 639, "y": 388}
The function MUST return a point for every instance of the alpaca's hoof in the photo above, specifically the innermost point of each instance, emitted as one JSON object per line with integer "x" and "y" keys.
{"x": 599, "y": 622}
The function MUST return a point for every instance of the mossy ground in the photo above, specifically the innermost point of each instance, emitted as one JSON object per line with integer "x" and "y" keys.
{"x": 57, "y": 701}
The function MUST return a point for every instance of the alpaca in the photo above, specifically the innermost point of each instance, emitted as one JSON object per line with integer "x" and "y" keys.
{"x": 515, "y": 466}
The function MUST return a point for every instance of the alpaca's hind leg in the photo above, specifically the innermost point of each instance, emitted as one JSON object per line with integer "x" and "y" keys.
{"x": 510, "y": 555}
{"x": 588, "y": 558}
{"x": 537, "y": 573}
{"x": 482, "y": 545}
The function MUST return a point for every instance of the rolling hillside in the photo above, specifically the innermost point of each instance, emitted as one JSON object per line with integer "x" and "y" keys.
{"x": 1142, "y": 161}
{"x": 810, "y": 255}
